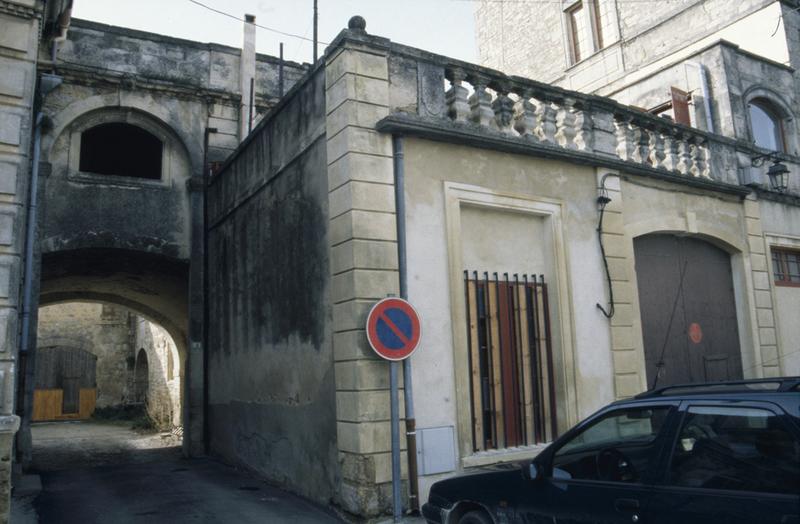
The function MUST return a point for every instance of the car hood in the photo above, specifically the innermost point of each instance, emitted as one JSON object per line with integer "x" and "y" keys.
{"x": 487, "y": 485}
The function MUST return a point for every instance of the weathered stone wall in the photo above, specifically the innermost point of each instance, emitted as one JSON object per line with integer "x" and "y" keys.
{"x": 271, "y": 391}
{"x": 205, "y": 73}
{"x": 130, "y": 240}
{"x": 532, "y": 42}
{"x": 104, "y": 331}
{"x": 115, "y": 335}
{"x": 522, "y": 38}
{"x": 165, "y": 372}
{"x": 19, "y": 37}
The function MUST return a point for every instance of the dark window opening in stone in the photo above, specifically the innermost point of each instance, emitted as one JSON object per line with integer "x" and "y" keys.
{"x": 119, "y": 149}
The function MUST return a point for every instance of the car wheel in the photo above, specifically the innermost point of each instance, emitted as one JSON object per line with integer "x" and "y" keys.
{"x": 475, "y": 517}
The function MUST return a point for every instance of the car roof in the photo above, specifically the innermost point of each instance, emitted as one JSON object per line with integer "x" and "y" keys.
{"x": 746, "y": 388}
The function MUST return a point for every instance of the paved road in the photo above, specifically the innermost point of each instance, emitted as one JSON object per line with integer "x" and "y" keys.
{"x": 81, "y": 444}
{"x": 168, "y": 491}
{"x": 105, "y": 473}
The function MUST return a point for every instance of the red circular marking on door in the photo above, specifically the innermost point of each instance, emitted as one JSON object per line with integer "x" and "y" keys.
{"x": 695, "y": 332}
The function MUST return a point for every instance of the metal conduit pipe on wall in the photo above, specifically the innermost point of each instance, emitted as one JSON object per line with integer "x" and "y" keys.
{"x": 400, "y": 210}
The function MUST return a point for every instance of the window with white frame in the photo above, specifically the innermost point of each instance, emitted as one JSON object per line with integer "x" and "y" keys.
{"x": 590, "y": 27}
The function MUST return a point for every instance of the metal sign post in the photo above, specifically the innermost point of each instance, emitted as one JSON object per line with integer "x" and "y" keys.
{"x": 394, "y": 330}
{"x": 395, "y": 417}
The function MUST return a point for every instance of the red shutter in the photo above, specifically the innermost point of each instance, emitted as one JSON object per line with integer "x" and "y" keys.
{"x": 680, "y": 106}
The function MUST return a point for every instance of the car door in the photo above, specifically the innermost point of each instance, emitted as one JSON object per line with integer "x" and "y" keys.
{"x": 602, "y": 473}
{"x": 733, "y": 462}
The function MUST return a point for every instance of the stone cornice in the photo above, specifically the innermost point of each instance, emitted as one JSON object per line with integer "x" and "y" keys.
{"x": 22, "y": 11}
{"x": 92, "y": 77}
{"x": 783, "y": 198}
{"x": 474, "y": 136}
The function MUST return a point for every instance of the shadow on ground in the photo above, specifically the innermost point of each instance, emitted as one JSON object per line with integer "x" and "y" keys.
{"x": 106, "y": 473}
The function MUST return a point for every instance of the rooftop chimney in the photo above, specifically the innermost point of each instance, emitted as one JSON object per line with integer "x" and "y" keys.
{"x": 247, "y": 75}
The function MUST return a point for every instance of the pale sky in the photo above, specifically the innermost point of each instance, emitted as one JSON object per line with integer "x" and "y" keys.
{"x": 441, "y": 26}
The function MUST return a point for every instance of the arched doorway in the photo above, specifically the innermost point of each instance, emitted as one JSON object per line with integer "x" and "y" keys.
{"x": 688, "y": 310}
{"x": 141, "y": 380}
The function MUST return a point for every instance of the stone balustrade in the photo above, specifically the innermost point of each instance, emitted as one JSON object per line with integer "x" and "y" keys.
{"x": 558, "y": 118}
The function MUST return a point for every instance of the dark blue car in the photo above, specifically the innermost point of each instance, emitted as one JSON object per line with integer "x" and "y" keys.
{"x": 700, "y": 453}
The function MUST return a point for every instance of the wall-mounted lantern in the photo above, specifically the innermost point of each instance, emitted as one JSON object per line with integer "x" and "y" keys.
{"x": 777, "y": 173}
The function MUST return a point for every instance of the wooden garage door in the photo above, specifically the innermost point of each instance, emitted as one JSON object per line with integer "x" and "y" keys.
{"x": 688, "y": 310}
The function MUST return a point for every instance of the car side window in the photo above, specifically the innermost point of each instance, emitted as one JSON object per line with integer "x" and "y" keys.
{"x": 618, "y": 447}
{"x": 735, "y": 448}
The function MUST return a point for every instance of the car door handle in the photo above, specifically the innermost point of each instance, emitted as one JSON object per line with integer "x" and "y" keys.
{"x": 626, "y": 504}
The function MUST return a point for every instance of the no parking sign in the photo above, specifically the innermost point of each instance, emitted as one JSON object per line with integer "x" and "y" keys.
{"x": 393, "y": 328}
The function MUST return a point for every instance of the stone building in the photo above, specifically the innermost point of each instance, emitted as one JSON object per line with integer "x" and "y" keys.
{"x": 387, "y": 169}
{"x": 22, "y": 22}
{"x": 128, "y": 120}
{"x": 545, "y": 236}
{"x": 135, "y": 362}
{"x": 723, "y": 68}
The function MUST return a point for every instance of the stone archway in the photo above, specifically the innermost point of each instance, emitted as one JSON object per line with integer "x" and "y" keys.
{"x": 154, "y": 286}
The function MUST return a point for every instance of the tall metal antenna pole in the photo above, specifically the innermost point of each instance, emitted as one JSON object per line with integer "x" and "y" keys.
{"x": 316, "y": 23}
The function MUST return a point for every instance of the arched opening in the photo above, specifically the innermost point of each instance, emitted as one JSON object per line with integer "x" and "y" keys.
{"x": 688, "y": 310}
{"x": 141, "y": 378}
{"x": 766, "y": 124}
{"x": 112, "y": 375}
{"x": 121, "y": 149}
{"x": 129, "y": 309}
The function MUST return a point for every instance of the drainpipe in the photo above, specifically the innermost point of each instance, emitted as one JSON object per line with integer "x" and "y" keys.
{"x": 411, "y": 423}
{"x": 47, "y": 83}
{"x": 702, "y": 72}
{"x": 206, "y": 316}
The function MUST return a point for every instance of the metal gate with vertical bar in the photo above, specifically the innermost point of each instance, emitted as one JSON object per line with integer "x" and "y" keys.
{"x": 512, "y": 385}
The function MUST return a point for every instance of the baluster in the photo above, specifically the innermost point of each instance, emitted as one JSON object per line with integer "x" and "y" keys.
{"x": 456, "y": 97}
{"x": 565, "y": 122}
{"x": 684, "y": 154}
{"x": 546, "y": 118}
{"x": 625, "y": 143}
{"x": 481, "y": 102}
{"x": 641, "y": 144}
{"x": 657, "y": 154}
{"x": 584, "y": 139}
{"x": 525, "y": 121}
{"x": 503, "y": 108}
{"x": 671, "y": 150}
{"x": 699, "y": 165}
{"x": 706, "y": 171}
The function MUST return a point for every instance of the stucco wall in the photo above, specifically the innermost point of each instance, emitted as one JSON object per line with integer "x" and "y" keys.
{"x": 782, "y": 229}
{"x": 470, "y": 206}
{"x": 270, "y": 377}
{"x": 434, "y": 281}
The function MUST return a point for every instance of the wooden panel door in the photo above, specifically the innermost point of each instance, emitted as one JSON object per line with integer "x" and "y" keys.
{"x": 688, "y": 310}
